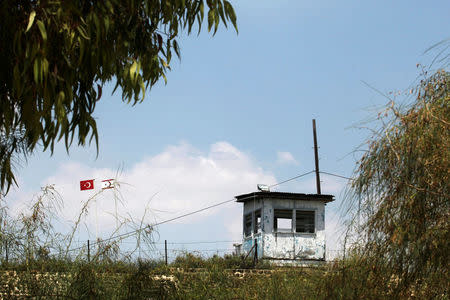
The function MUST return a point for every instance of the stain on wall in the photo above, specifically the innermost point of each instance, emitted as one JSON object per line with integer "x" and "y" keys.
{"x": 287, "y": 245}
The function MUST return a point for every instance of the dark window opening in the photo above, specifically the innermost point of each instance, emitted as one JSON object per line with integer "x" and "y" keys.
{"x": 282, "y": 220}
{"x": 257, "y": 221}
{"x": 248, "y": 224}
{"x": 304, "y": 221}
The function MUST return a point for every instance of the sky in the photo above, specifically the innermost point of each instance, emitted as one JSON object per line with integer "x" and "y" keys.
{"x": 237, "y": 111}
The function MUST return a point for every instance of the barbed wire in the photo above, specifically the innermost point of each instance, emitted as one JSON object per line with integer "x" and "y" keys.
{"x": 150, "y": 226}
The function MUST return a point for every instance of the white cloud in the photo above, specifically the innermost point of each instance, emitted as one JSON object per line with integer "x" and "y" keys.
{"x": 176, "y": 181}
{"x": 179, "y": 180}
{"x": 286, "y": 158}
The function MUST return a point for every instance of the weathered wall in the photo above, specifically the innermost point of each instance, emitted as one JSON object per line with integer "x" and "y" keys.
{"x": 287, "y": 245}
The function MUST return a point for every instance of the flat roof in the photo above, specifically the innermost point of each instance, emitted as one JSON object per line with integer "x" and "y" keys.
{"x": 283, "y": 195}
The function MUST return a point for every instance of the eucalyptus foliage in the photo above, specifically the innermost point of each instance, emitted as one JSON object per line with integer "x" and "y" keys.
{"x": 403, "y": 181}
{"x": 55, "y": 57}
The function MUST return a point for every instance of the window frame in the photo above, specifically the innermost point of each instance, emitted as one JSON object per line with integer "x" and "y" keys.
{"x": 275, "y": 221}
{"x": 257, "y": 226}
{"x": 248, "y": 229}
{"x": 306, "y": 224}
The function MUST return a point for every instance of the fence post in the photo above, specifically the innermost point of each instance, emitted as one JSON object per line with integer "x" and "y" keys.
{"x": 255, "y": 259}
{"x": 165, "y": 250}
{"x": 88, "y": 252}
{"x": 6, "y": 251}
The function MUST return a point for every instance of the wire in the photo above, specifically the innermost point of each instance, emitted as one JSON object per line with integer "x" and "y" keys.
{"x": 186, "y": 243}
{"x": 193, "y": 212}
{"x": 331, "y": 174}
{"x": 202, "y": 242}
{"x": 200, "y": 250}
{"x": 198, "y": 211}
{"x": 292, "y": 178}
{"x": 156, "y": 224}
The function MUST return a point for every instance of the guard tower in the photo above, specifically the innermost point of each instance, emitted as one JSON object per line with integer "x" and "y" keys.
{"x": 287, "y": 228}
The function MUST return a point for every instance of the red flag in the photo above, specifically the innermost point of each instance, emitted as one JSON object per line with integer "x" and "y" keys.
{"x": 87, "y": 185}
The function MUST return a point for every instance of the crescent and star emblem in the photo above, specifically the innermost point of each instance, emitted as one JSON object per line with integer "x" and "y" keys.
{"x": 89, "y": 184}
{"x": 108, "y": 184}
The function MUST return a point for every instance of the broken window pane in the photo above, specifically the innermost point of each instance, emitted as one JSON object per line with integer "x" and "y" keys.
{"x": 248, "y": 224}
{"x": 257, "y": 221}
{"x": 304, "y": 221}
{"x": 282, "y": 220}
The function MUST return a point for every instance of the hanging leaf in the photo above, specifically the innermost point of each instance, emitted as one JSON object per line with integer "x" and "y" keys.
{"x": 30, "y": 20}
{"x": 210, "y": 19}
{"x": 133, "y": 69}
{"x": 160, "y": 41}
{"x": 42, "y": 30}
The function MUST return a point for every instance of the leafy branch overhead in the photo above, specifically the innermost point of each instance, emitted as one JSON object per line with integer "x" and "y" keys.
{"x": 56, "y": 56}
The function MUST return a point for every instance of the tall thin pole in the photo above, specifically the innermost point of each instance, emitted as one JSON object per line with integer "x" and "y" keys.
{"x": 88, "y": 251}
{"x": 165, "y": 250}
{"x": 6, "y": 250}
{"x": 316, "y": 157}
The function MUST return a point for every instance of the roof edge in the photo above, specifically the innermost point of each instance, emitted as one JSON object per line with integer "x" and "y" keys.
{"x": 283, "y": 195}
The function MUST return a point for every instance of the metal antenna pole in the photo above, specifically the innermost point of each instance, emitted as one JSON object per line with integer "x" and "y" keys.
{"x": 165, "y": 251}
{"x": 316, "y": 157}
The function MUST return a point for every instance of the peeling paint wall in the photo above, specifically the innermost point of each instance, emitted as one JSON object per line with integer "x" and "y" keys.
{"x": 249, "y": 208}
{"x": 286, "y": 245}
{"x": 249, "y": 242}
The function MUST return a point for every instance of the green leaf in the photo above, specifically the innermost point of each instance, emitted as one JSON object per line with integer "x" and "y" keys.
{"x": 202, "y": 11}
{"x": 97, "y": 27}
{"x": 42, "y": 29}
{"x": 164, "y": 77}
{"x": 133, "y": 69}
{"x": 107, "y": 23}
{"x": 31, "y": 20}
{"x": 229, "y": 11}
{"x": 210, "y": 19}
{"x": 217, "y": 20}
{"x": 83, "y": 32}
{"x": 222, "y": 16}
{"x": 142, "y": 85}
{"x": 45, "y": 67}
{"x": 176, "y": 47}
{"x": 81, "y": 45}
{"x": 36, "y": 70}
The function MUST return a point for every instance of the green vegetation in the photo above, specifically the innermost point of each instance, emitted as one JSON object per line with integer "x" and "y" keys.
{"x": 150, "y": 280}
{"x": 403, "y": 182}
{"x": 57, "y": 55}
{"x": 401, "y": 250}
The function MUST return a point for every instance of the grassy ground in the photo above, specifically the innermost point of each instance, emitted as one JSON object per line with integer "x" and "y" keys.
{"x": 192, "y": 277}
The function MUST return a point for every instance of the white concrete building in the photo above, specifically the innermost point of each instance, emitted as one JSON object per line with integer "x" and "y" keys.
{"x": 287, "y": 228}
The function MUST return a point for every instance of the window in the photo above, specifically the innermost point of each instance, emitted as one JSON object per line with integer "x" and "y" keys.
{"x": 248, "y": 224}
{"x": 257, "y": 221}
{"x": 304, "y": 221}
{"x": 282, "y": 221}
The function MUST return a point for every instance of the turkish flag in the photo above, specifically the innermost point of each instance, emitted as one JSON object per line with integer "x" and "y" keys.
{"x": 87, "y": 185}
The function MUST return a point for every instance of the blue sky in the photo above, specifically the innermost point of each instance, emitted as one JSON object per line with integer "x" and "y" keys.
{"x": 242, "y": 104}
